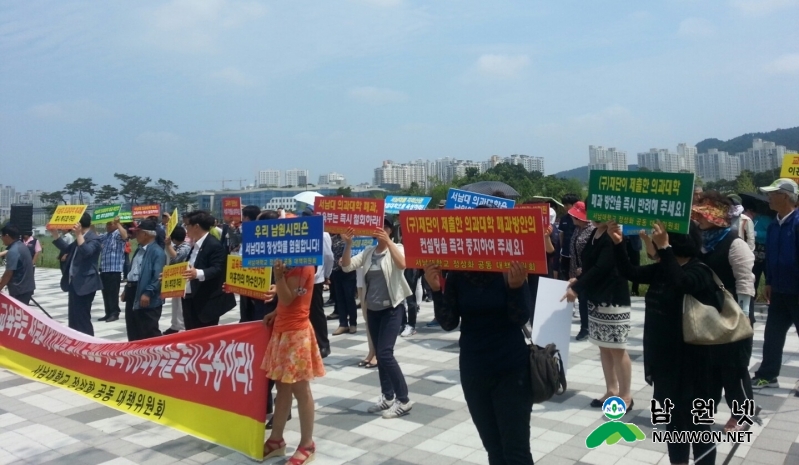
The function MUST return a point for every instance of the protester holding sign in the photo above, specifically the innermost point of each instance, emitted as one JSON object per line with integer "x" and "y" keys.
{"x": 112, "y": 263}
{"x": 81, "y": 278}
{"x": 386, "y": 290}
{"x": 142, "y": 294}
{"x": 19, "y": 266}
{"x": 177, "y": 251}
{"x": 292, "y": 359}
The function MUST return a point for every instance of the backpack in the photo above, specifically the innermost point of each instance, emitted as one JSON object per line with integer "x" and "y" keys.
{"x": 546, "y": 372}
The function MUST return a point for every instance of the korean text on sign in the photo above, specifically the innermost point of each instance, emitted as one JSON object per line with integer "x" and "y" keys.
{"x": 639, "y": 199}
{"x": 143, "y": 211}
{"x": 102, "y": 215}
{"x": 474, "y": 240}
{"x": 542, "y": 207}
{"x": 341, "y": 213}
{"x": 458, "y": 200}
{"x": 173, "y": 284}
{"x": 295, "y": 241}
{"x": 397, "y": 203}
{"x": 790, "y": 166}
{"x": 66, "y": 216}
{"x": 231, "y": 209}
{"x": 249, "y": 282}
{"x": 359, "y": 243}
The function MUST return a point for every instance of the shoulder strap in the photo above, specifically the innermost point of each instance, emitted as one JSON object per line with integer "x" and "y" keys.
{"x": 715, "y": 277}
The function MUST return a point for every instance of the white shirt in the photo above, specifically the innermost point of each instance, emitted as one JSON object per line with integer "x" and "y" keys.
{"x": 323, "y": 272}
{"x": 192, "y": 258}
{"x": 782, "y": 220}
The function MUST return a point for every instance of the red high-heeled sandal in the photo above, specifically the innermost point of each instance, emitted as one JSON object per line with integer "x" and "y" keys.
{"x": 308, "y": 452}
{"x": 274, "y": 449}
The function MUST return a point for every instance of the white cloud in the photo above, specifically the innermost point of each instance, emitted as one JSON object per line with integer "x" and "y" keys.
{"x": 195, "y": 25}
{"x": 502, "y": 66}
{"x": 377, "y": 95}
{"x": 233, "y": 76}
{"x": 696, "y": 28}
{"x": 72, "y": 111}
{"x": 786, "y": 64}
{"x": 762, "y": 7}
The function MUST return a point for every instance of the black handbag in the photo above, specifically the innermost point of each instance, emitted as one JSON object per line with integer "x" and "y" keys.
{"x": 546, "y": 371}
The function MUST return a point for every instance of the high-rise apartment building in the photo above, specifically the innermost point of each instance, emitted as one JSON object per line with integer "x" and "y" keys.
{"x": 529, "y": 163}
{"x": 30, "y": 197}
{"x": 8, "y": 195}
{"x": 600, "y": 158}
{"x": 686, "y": 157}
{"x": 297, "y": 177}
{"x": 269, "y": 178}
{"x": 715, "y": 165}
{"x": 763, "y": 156}
{"x": 332, "y": 179}
{"x": 663, "y": 160}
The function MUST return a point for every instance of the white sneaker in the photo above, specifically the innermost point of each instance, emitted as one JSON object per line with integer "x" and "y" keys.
{"x": 408, "y": 331}
{"x": 381, "y": 405}
{"x": 398, "y": 409}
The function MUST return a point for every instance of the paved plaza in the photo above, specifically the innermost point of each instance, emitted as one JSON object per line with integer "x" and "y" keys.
{"x": 40, "y": 424}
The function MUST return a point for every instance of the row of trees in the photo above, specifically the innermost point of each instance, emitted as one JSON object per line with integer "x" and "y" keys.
{"x": 134, "y": 190}
{"x": 746, "y": 183}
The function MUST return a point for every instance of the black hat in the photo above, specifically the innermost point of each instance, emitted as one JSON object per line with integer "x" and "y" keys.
{"x": 388, "y": 223}
{"x": 146, "y": 225}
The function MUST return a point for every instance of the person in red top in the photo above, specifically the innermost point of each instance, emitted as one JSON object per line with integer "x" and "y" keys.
{"x": 292, "y": 359}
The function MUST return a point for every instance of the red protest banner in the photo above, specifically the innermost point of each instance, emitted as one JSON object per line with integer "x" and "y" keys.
{"x": 474, "y": 240}
{"x": 205, "y": 382}
{"x": 231, "y": 209}
{"x": 143, "y": 211}
{"x": 341, "y": 213}
{"x": 543, "y": 207}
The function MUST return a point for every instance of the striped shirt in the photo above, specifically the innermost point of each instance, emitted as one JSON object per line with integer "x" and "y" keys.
{"x": 112, "y": 257}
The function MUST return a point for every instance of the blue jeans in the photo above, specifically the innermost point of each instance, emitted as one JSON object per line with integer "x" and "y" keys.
{"x": 384, "y": 327}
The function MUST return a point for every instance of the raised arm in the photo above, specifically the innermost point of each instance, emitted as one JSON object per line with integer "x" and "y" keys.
{"x": 445, "y": 304}
{"x": 519, "y": 299}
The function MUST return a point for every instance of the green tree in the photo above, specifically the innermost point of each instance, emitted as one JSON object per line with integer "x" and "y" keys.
{"x": 106, "y": 194}
{"x": 51, "y": 200}
{"x": 744, "y": 184}
{"x": 152, "y": 195}
{"x": 185, "y": 201}
{"x": 133, "y": 187}
{"x": 79, "y": 187}
{"x": 167, "y": 189}
{"x": 345, "y": 191}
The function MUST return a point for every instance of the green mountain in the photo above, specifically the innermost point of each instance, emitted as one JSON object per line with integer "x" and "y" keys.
{"x": 787, "y": 137}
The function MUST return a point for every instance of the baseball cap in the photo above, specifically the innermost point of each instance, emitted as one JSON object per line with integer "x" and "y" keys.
{"x": 146, "y": 225}
{"x": 578, "y": 211}
{"x": 783, "y": 184}
{"x": 308, "y": 211}
{"x": 442, "y": 203}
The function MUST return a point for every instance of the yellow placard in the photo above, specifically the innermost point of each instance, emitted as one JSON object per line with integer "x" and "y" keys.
{"x": 790, "y": 166}
{"x": 249, "y": 282}
{"x": 173, "y": 222}
{"x": 66, "y": 216}
{"x": 173, "y": 284}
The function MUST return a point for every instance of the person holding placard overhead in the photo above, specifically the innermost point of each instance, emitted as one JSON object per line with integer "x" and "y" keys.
{"x": 386, "y": 291}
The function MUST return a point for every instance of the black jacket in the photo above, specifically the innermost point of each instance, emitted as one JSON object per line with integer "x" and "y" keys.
{"x": 208, "y": 294}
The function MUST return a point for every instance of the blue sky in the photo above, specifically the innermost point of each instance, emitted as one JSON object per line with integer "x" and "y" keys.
{"x": 203, "y": 90}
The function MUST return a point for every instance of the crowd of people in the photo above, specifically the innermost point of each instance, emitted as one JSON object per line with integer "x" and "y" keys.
{"x": 730, "y": 239}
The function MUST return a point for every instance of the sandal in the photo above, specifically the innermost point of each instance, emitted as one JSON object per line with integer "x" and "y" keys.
{"x": 308, "y": 452}
{"x": 274, "y": 449}
{"x": 370, "y": 365}
{"x": 363, "y": 363}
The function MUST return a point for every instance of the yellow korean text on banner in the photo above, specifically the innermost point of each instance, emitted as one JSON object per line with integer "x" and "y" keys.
{"x": 173, "y": 222}
{"x": 66, "y": 216}
{"x": 173, "y": 284}
{"x": 790, "y": 166}
{"x": 249, "y": 282}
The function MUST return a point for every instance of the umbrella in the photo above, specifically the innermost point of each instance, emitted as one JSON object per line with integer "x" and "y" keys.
{"x": 539, "y": 198}
{"x": 307, "y": 197}
{"x": 760, "y": 201}
{"x": 492, "y": 187}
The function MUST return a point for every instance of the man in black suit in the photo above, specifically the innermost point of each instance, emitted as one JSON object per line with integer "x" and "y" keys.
{"x": 80, "y": 276}
{"x": 205, "y": 300}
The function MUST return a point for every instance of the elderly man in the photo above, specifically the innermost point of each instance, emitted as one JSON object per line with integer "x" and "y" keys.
{"x": 112, "y": 263}
{"x": 782, "y": 279}
{"x": 142, "y": 294}
{"x": 81, "y": 278}
{"x": 19, "y": 266}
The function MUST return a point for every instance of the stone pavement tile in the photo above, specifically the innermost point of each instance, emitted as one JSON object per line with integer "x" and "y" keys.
{"x": 782, "y": 425}
{"x": 772, "y": 444}
{"x": 91, "y": 415}
{"x": 204, "y": 457}
{"x": 569, "y": 452}
{"x": 552, "y": 460}
{"x": 183, "y": 447}
{"x": 120, "y": 447}
{"x": 151, "y": 457}
{"x": 644, "y": 456}
{"x": 51, "y": 456}
{"x": 88, "y": 456}
{"x": 600, "y": 456}
{"x": 765, "y": 457}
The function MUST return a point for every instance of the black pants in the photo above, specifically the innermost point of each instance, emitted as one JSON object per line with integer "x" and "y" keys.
{"x": 141, "y": 323}
{"x": 500, "y": 407}
{"x": 759, "y": 270}
{"x": 565, "y": 264}
{"x": 409, "y": 318}
{"x": 317, "y": 316}
{"x": 191, "y": 315}
{"x": 245, "y": 309}
{"x": 384, "y": 326}
{"x": 635, "y": 260}
{"x": 345, "y": 285}
{"x": 79, "y": 311}
{"x": 25, "y": 298}
{"x": 111, "y": 282}
{"x": 783, "y": 312}
{"x": 583, "y": 308}
{"x": 676, "y": 388}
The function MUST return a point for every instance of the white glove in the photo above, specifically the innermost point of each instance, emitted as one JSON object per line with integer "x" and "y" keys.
{"x": 744, "y": 301}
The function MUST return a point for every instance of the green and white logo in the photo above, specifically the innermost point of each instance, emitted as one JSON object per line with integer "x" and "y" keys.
{"x": 614, "y": 431}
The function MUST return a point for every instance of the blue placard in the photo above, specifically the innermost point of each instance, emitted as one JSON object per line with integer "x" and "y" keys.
{"x": 395, "y": 203}
{"x": 295, "y": 241}
{"x": 359, "y": 243}
{"x": 631, "y": 230}
{"x": 464, "y": 200}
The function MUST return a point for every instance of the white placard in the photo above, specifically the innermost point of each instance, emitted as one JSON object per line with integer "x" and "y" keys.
{"x": 553, "y": 318}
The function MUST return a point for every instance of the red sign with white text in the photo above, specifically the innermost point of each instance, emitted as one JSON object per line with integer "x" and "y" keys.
{"x": 143, "y": 211}
{"x": 231, "y": 209}
{"x": 474, "y": 240}
{"x": 543, "y": 207}
{"x": 341, "y": 213}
